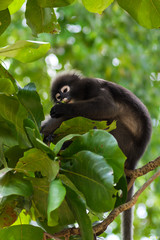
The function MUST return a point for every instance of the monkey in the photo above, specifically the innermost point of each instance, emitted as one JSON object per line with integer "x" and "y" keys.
{"x": 98, "y": 99}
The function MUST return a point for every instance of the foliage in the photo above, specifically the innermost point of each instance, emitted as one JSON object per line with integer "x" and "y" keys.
{"x": 111, "y": 46}
{"x": 25, "y": 51}
{"x": 40, "y": 14}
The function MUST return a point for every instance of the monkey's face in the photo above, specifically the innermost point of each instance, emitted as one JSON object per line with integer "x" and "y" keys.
{"x": 63, "y": 95}
{"x": 67, "y": 88}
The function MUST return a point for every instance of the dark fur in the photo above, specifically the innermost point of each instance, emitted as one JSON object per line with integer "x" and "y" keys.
{"x": 98, "y": 99}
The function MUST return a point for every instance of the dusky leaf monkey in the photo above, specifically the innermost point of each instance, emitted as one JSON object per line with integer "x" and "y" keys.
{"x": 98, "y": 99}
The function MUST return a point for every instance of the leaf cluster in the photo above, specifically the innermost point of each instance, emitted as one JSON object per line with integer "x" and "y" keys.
{"x": 40, "y": 14}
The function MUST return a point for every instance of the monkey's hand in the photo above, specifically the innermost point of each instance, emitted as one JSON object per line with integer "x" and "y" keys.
{"x": 58, "y": 110}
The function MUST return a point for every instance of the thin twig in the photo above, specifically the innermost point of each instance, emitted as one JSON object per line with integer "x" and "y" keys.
{"x": 143, "y": 170}
{"x": 47, "y": 236}
{"x": 134, "y": 174}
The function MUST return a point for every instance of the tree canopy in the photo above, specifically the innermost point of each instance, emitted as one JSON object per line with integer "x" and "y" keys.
{"x": 113, "y": 40}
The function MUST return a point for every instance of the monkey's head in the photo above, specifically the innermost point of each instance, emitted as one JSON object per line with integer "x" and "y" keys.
{"x": 67, "y": 88}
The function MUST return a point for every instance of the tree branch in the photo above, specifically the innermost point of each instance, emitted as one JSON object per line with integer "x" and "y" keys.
{"x": 143, "y": 170}
{"x": 133, "y": 174}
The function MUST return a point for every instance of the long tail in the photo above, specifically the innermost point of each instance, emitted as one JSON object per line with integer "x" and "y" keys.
{"x": 127, "y": 220}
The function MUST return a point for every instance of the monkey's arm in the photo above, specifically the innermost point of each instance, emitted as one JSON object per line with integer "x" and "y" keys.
{"x": 98, "y": 108}
{"x": 49, "y": 125}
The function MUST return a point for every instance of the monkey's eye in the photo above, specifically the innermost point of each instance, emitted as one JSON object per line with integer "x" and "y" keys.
{"x": 58, "y": 97}
{"x": 65, "y": 89}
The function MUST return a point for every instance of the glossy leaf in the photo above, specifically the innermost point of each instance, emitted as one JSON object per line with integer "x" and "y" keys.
{"x": 78, "y": 208}
{"x": 93, "y": 177}
{"x": 12, "y": 184}
{"x": 97, "y": 6}
{"x": 54, "y": 3}
{"x": 24, "y": 232}
{"x": 102, "y": 143}
{"x": 5, "y": 20}
{"x": 41, "y": 19}
{"x": 56, "y": 196}
{"x": 30, "y": 99}
{"x": 146, "y": 13}
{"x": 25, "y": 51}
{"x": 35, "y": 160}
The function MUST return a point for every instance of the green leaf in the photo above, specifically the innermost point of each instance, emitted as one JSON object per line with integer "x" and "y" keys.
{"x": 24, "y": 232}
{"x": 5, "y": 74}
{"x": 102, "y": 143}
{"x": 4, "y": 171}
{"x": 37, "y": 143}
{"x": 5, "y": 4}
{"x": 30, "y": 99}
{"x": 40, "y": 196}
{"x": 35, "y": 160}
{"x": 121, "y": 185}
{"x": 66, "y": 181}
{"x": 13, "y": 184}
{"x": 5, "y": 20}
{"x": 41, "y": 19}
{"x": 40, "y": 199}
{"x": 96, "y": 6}
{"x": 78, "y": 208}
{"x": 65, "y": 218}
{"x": 29, "y": 125}
{"x": 8, "y": 135}
{"x": 80, "y": 125}
{"x": 25, "y": 51}
{"x": 6, "y": 86}
{"x": 54, "y": 3}
{"x": 12, "y": 114}
{"x": 13, "y": 154}
{"x": 59, "y": 145}
{"x": 15, "y": 6}
{"x": 56, "y": 196}
{"x": 93, "y": 177}
{"x": 146, "y": 13}
{"x": 23, "y": 217}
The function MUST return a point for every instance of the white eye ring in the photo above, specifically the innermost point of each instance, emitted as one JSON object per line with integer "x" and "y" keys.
{"x": 58, "y": 97}
{"x": 65, "y": 89}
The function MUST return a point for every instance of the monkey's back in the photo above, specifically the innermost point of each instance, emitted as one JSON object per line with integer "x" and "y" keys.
{"x": 134, "y": 127}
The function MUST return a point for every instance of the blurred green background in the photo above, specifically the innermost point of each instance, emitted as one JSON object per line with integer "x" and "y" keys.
{"x": 111, "y": 46}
